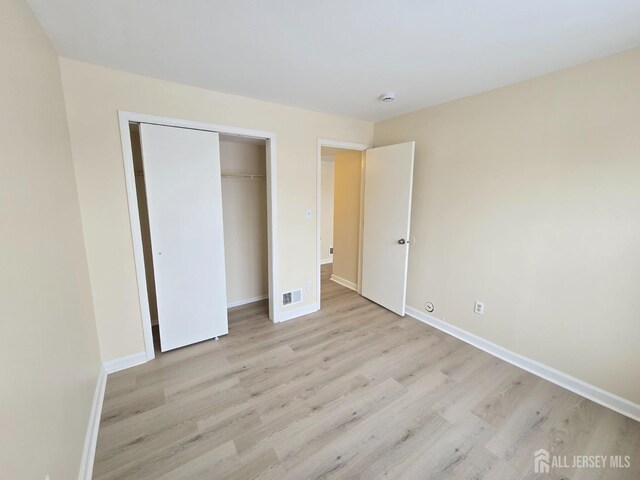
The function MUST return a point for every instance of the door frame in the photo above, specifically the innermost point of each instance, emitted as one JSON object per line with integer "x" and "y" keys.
{"x": 124, "y": 119}
{"x": 323, "y": 142}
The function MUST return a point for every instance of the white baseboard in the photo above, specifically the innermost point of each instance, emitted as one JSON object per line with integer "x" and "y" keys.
{"x": 91, "y": 438}
{"x": 324, "y": 261}
{"x": 343, "y": 282}
{"x": 244, "y": 301}
{"x": 596, "y": 394}
{"x": 118, "y": 364}
{"x": 291, "y": 314}
{"x": 89, "y": 452}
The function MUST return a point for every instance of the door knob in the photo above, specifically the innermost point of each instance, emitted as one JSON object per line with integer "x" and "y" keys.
{"x": 402, "y": 241}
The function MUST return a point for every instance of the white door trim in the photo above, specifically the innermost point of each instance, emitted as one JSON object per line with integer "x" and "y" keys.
{"x": 124, "y": 118}
{"x": 323, "y": 142}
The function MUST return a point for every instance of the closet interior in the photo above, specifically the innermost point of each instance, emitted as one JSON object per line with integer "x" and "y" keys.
{"x": 243, "y": 194}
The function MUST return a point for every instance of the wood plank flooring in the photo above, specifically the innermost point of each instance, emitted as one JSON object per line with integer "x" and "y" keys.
{"x": 352, "y": 391}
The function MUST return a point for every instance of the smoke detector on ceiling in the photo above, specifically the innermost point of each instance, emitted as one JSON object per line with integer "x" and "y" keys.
{"x": 388, "y": 97}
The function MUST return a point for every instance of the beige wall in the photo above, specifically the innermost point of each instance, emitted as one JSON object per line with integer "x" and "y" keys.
{"x": 49, "y": 356}
{"x": 244, "y": 205}
{"x": 326, "y": 210}
{"x": 346, "y": 215}
{"x": 93, "y": 96}
{"x": 528, "y": 198}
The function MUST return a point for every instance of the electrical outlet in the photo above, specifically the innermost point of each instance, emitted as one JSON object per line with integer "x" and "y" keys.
{"x": 479, "y": 308}
{"x": 308, "y": 286}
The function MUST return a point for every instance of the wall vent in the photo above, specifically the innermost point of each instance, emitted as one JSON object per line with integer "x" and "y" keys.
{"x": 294, "y": 296}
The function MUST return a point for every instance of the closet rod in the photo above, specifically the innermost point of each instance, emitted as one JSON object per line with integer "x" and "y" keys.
{"x": 249, "y": 176}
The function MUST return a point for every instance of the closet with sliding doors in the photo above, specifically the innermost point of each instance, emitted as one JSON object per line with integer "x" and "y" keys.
{"x": 202, "y": 205}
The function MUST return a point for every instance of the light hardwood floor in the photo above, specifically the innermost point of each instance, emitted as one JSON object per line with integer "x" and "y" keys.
{"x": 352, "y": 391}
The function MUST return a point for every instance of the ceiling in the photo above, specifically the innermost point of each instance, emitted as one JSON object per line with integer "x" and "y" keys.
{"x": 338, "y": 56}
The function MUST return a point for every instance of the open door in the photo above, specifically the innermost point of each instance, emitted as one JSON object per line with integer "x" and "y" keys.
{"x": 183, "y": 186}
{"x": 387, "y": 215}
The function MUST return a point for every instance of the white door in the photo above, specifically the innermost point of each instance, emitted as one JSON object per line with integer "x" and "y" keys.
{"x": 182, "y": 179}
{"x": 387, "y": 215}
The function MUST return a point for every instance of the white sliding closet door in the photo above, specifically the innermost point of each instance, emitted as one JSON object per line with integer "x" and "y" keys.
{"x": 182, "y": 179}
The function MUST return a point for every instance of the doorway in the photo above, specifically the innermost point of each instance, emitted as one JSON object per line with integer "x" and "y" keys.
{"x": 340, "y": 187}
{"x": 246, "y": 191}
{"x": 366, "y": 247}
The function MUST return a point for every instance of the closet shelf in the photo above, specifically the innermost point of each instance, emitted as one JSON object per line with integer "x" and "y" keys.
{"x": 249, "y": 176}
